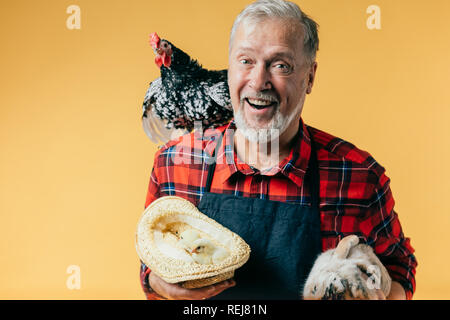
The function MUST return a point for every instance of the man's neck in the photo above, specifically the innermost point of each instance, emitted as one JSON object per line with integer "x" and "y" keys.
{"x": 265, "y": 155}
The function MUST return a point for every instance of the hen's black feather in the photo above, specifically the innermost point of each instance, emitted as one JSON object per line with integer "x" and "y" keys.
{"x": 186, "y": 92}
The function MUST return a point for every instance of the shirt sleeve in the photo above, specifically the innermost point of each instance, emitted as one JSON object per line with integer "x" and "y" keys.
{"x": 152, "y": 195}
{"x": 384, "y": 232}
{"x": 153, "y": 189}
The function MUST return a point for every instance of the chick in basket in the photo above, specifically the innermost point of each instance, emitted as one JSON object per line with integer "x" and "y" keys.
{"x": 187, "y": 238}
{"x": 205, "y": 252}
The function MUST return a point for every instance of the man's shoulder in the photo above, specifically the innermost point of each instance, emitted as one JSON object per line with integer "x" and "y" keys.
{"x": 334, "y": 149}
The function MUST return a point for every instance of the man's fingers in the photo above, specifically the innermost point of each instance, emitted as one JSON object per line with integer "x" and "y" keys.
{"x": 177, "y": 292}
{"x": 205, "y": 292}
{"x": 219, "y": 287}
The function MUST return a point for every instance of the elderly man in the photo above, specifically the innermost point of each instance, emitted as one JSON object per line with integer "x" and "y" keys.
{"x": 290, "y": 190}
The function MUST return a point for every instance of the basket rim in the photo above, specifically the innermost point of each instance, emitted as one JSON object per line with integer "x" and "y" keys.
{"x": 155, "y": 260}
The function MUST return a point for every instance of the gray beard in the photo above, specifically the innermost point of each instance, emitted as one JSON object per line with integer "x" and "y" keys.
{"x": 272, "y": 131}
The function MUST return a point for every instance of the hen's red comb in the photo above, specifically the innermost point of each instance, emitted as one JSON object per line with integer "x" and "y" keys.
{"x": 154, "y": 40}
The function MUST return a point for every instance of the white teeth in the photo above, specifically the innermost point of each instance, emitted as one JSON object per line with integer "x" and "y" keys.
{"x": 259, "y": 102}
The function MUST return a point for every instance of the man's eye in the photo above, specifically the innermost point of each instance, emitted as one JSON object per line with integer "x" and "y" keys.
{"x": 244, "y": 61}
{"x": 282, "y": 66}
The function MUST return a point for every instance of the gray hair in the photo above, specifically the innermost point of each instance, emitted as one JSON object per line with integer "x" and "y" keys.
{"x": 283, "y": 10}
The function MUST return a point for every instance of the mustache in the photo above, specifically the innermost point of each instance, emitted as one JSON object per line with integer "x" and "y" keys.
{"x": 259, "y": 95}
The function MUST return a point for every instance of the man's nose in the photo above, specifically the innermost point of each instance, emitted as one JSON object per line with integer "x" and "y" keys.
{"x": 260, "y": 78}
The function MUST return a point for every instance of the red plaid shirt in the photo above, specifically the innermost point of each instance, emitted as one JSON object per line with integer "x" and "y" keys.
{"x": 355, "y": 197}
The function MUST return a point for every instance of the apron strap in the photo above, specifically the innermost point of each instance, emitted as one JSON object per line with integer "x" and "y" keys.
{"x": 314, "y": 175}
{"x": 212, "y": 165}
{"x": 312, "y": 170}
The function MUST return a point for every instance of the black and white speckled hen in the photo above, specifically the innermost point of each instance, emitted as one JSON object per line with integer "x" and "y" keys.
{"x": 185, "y": 95}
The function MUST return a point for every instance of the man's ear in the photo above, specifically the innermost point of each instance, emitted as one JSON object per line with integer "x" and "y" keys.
{"x": 311, "y": 77}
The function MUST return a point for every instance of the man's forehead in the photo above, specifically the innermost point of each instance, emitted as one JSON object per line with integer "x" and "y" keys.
{"x": 285, "y": 36}
{"x": 277, "y": 51}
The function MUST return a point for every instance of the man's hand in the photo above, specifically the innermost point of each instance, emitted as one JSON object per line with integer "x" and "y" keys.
{"x": 397, "y": 292}
{"x": 176, "y": 292}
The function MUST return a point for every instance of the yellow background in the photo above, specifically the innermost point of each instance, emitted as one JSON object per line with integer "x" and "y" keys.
{"x": 75, "y": 162}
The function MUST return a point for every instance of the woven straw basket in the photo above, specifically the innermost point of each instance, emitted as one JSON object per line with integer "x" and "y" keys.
{"x": 157, "y": 243}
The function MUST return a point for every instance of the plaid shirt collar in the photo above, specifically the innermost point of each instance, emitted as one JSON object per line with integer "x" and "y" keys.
{"x": 228, "y": 163}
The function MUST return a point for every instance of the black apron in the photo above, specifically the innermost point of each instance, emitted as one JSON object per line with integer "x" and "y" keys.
{"x": 284, "y": 238}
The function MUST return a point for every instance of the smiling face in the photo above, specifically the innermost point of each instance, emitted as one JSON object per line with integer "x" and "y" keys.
{"x": 269, "y": 76}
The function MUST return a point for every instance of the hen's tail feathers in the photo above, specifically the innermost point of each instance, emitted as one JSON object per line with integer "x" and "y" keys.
{"x": 154, "y": 127}
{"x": 156, "y": 130}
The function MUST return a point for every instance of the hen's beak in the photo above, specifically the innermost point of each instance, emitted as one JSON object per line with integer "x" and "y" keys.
{"x": 194, "y": 250}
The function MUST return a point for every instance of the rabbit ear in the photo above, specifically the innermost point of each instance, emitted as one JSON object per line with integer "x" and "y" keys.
{"x": 345, "y": 245}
